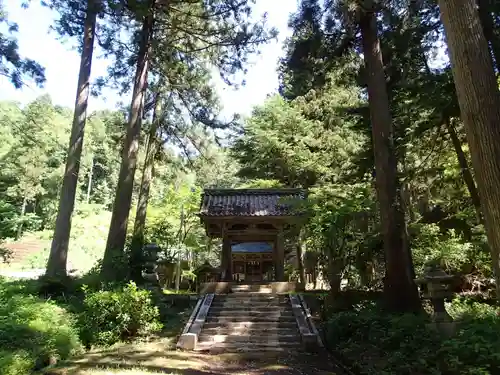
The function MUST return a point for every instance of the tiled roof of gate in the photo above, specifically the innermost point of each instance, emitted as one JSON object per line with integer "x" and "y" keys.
{"x": 250, "y": 202}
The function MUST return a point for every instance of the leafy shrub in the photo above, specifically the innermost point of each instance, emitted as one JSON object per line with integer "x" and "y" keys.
{"x": 432, "y": 246}
{"x": 383, "y": 343}
{"x": 5, "y": 253}
{"x": 466, "y": 308}
{"x": 113, "y": 315}
{"x": 33, "y": 332}
{"x": 380, "y": 343}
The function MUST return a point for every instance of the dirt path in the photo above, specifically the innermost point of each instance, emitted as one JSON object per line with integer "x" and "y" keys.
{"x": 158, "y": 358}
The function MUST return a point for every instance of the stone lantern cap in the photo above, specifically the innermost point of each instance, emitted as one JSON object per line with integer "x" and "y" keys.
{"x": 437, "y": 282}
{"x": 434, "y": 274}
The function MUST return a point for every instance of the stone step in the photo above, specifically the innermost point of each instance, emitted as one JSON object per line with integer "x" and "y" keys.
{"x": 241, "y": 295}
{"x": 251, "y": 298}
{"x": 251, "y": 301}
{"x": 251, "y": 287}
{"x": 250, "y": 319}
{"x": 250, "y": 330}
{"x": 260, "y": 326}
{"x": 242, "y": 339}
{"x": 258, "y": 291}
{"x": 250, "y": 309}
{"x": 248, "y": 347}
{"x": 249, "y": 304}
{"x": 251, "y": 313}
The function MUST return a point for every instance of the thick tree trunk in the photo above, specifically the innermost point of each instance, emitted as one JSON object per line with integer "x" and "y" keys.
{"x": 402, "y": 294}
{"x": 123, "y": 197}
{"x": 142, "y": 205}
{"x": 479, "y": 101}
{"x": 406, "y": 209}
{"x": 89, "y": 187}
{"x": 488, "y": 27}
{"x": 464, "y": 167}
{"x": 19, "y": 231}
{"x": 335, "y": 272}
{"x": 57, "y": 263}
{"x": 300, "y": 260}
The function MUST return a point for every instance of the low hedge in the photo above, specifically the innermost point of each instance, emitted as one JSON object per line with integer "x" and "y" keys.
{"x": 34, "y": 333}
{"x": 379, "y": 343}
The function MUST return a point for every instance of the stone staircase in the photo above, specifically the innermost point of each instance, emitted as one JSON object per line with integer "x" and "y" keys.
{"x": 250, "y": 318}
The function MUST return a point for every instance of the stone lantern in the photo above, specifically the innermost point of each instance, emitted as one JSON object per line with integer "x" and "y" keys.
{"x": 436, "y": 285}
{"x": 150, "y": 256}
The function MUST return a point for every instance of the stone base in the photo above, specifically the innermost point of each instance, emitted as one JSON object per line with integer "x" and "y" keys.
{"x": 445, "y": 328}
{"x": 221, "y": 287}
{"x": 310, "y": 342}
{"x": 277, "y": 287}
{"x": 187, "y": 341}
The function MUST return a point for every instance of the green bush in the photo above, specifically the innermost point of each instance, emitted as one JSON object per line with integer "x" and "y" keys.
{"x": 113, "y": 315}
{"x": 33, "y": 332}
{"x": 380, "y": 343}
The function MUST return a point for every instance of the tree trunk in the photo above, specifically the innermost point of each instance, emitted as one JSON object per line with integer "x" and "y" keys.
{"x": 406, "y": 209}
{"x": 464, "y": 167}
{"x": 335, "y": 272}
{"x": 179, "y": 253}
{"x": 300, "y": 260}
{"x": 89, "y": 187}
{"x": 479, "y": 101}
{"x": 142, "y": 205}
{"x": 123, "y": 197}
{"x": 402, "y": 294}
{"x": 19, "y": 231}
{"x": 488, "y": 27}
{"x": 57, "y": 263}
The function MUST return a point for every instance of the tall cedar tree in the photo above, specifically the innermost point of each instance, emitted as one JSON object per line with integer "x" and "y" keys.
{"x": 123, "y": 197}
{"x": 57, "y": 262}
{"x": 144, "y": 190}
{"x": 401, "y": 292}
{"x": 216, "y": 33}
{"x": 479, "y": 101}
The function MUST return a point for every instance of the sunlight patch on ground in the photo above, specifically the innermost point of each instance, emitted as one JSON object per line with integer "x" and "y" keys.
{"x": 108, "y": 371}
{"x": 275, "y": 367}
{"x": 139, "y": 358}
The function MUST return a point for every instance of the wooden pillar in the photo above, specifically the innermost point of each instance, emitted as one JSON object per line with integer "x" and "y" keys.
{"x": 227, "y": 259}
{"x": 279, "y": 257}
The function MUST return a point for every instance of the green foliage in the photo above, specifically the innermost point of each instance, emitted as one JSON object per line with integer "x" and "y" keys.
{"x": 432, "y": 245}
{"x": 381, "y": 343}
{"x": 113, "y": 315}
{"x": 446, "y": 249}
{"x": 33, "y": 156}
{"x": 12, "y": 65}
{"x": 33, "y": 331}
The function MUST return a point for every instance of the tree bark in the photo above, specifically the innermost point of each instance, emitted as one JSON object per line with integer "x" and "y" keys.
{"x": 19, "y": 231}
{"x": 402, "y": 294}
{"x": 488, "y": 27}
{"x": 142, "y": 205}
{"x": 89, "y": 187}
{"x": 479, "y": 101}
{"x": 300, "y": 260}
{"x": 123, "y": 197}
{"x": 57, "y": 262}
{"x": 464, "y": 167}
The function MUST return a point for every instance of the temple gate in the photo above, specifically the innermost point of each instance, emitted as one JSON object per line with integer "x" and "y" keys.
{"x": 252, "y": 224}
